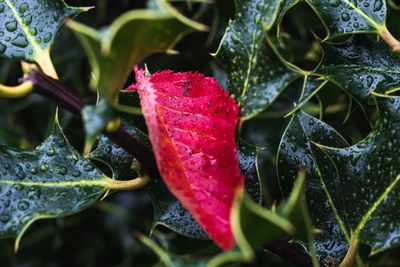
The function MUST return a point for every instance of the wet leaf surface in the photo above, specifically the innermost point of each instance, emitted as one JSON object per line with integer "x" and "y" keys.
{"x": 256, "y": 74}
{"x": 345, "y": 16}
{"x": 368, "y": 175}
{"x": 51, "y": 181}
{"x": 360, "y": 66}
{"x": 296, "y": 153}
{"x": 28, "y": 28}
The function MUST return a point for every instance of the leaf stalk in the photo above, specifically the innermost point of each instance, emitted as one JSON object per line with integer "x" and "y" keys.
{"x": 390, "y": 40}
{"x": 351, "y": 254}
{"x": 54, "y": 90}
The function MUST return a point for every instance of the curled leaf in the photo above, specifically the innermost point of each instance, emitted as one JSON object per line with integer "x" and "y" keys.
{"x": 192, "y": 126}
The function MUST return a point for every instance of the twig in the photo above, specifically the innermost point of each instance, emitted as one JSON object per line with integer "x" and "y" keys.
{"x": 63, "y": 96}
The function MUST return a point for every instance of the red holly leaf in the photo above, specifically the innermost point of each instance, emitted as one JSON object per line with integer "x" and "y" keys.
{"x": 192, "y": 125}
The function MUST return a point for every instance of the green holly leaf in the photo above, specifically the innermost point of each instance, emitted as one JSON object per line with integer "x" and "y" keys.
{"x": 257, "y": 74}
{"x": 361, "y": 66}
{"x": 368, "y": 177}
{"x": 132, "y": 37}
{"x": 50, "y": 181}
{"x": 95, "y": 118}
{"x": 296, "y": 153}
{"x": 254, "y": 226}
{"x": 168, "y": 211}
{"x": 28, "y": 28}
{"x": 345, "y": 16}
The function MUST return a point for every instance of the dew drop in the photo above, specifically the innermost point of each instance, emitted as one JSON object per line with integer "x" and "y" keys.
{"x": 50, "y": 152}
{"x": 5, "y": 218}
{"x": 27, "y": 19}
{"x": 33, "y": 170}
{"x": 44, "y": 167}
{"x": 11, "y": 26}
{"x": 76, "y": 173}
{"x": 378, "y": 5}
{"x": 20, "y": 41}
{"x": 33, "y": 31}
{"x": 75, "y": 158}
{"x": 23, "y": 205}
{"x": 345, "y": 16}
{"x": 47, "y": 37}
{"x": 334, "y": 3}
{"x": 61, "y": 143}
{"x": 370, "y": 80}
{"x": 88, "y": 167}
{"x": 62, "y": 171}
{"x": 2, "y": 48}
{"x": 23, "y": 7}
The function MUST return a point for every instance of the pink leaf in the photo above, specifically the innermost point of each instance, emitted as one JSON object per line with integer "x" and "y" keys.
{"x": 192, "y": 125}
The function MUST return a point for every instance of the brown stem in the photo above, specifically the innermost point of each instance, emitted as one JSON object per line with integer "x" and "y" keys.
{"x": 390, "y": 40}
{"x": 63, "y": 96}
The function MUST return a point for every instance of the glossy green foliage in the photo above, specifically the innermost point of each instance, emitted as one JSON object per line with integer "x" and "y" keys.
{"x": 368, "y": 175}
{"x": 126, "y": 42}
{"x": 361, "y": 66}
{"x": 297, "y": 152}
{"x": 345, "y": 16}
{"x": 28, "y": 27}
{"x": 256, "y": 74}
{"x": 49, "y": 182}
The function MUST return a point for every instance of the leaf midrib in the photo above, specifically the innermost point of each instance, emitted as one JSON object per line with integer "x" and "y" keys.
{"x": 37, "y": 49}
{"x": 375, "y": 206}
{"x": 327, "y": 193}
{"x": 102, "y": 182}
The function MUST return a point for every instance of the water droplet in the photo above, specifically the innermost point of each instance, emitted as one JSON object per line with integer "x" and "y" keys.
{"x": 44, "y": 167}
{"x": 75, "y": 158}
{"x": 20, "y": 41}
{"x": 23, "y": 7}
{"x": 11, "y": 26}
{"x": 5, "y": 218}
{"x": 47, "y": 37}
{"x": 1, "y": 8}
{"x": 50, "y": 152}
{"x": 63, "y": 171}
{"x": 61, "y": 143}
{"x": 2, "y": 48}
{"x": 27, "y": 20}
{"x": 33, "y": 31}
{"x": 88, "y": 167}
{"x": 334, "y": 3}
{"x": 23, "y": 205}
{"x": 33, "y": 170}
{"x": 345, "y": 16}
{"x": 378, "y": 5}
{"x": 370, "y": 81}
{"x": 76, "y": 173}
